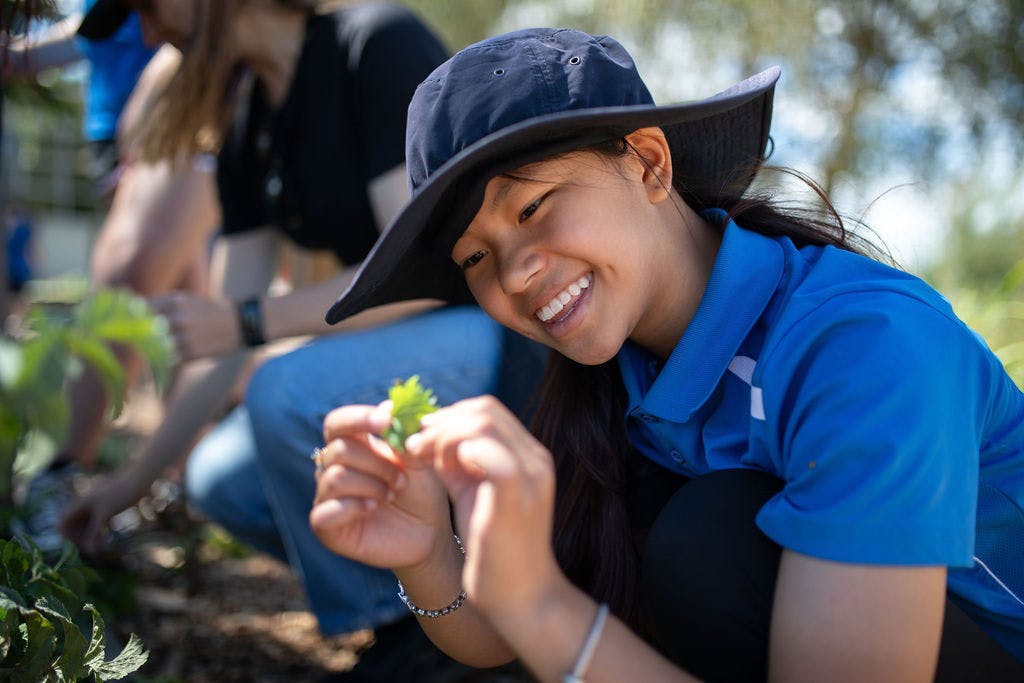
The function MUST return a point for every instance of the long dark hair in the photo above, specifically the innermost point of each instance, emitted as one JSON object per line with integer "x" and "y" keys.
{"x": 580, "y": 409}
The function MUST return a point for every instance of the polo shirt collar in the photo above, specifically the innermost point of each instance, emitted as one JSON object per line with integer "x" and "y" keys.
{"x": 743, "y": 279}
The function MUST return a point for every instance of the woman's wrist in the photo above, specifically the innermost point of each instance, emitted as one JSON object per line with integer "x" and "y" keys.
{"x": 434, "y": 613}
{"x": 436, "y": 583}
{"x": 250, "y": 322}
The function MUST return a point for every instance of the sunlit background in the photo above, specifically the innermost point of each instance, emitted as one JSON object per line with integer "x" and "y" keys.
{"x": 909, "y": 113}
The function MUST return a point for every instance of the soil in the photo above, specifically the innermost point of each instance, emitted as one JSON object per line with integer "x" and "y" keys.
{"x": 206, "y": 616}
{"x": 206, "y": 608}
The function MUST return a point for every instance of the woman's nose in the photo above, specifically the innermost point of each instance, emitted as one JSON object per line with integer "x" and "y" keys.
{"x": 518, "y": 269}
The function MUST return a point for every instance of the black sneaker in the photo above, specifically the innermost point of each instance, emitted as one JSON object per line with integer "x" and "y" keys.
{"x": 46, "y": 496}
{"x": 402, "y": 653}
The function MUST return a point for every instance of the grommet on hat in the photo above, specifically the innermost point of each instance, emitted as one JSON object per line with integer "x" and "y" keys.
{"x": 559, "y": 90}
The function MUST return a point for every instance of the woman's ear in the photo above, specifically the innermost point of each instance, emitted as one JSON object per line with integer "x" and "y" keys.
{"x": 652, "y": 149}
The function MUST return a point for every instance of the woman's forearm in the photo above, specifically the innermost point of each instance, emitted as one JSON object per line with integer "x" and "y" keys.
{"x": 199, "y": 393}
{"x": 550, "y": 633}
{"x": 301, "y": 311}
{"x": 465, "y": 634}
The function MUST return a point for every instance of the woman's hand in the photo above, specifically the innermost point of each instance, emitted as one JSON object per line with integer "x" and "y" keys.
{"x": 372, "y": 504}
{"x": 202, "y": 326}
{"x": 502, "y": 482}
{"x": 84, "y": 521}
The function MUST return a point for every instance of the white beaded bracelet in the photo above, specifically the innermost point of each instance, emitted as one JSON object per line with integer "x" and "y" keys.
{"x": 579, "y": 669}
{"x": 435, "y": 613}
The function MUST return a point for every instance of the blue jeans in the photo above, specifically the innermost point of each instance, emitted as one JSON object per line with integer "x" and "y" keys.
{"x": 252, "y": 473}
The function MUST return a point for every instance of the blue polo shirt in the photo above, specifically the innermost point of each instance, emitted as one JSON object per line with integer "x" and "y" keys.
{"x": 897, "y": 432}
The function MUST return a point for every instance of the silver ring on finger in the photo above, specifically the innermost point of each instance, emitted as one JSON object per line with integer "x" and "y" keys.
{"x": 317, "y": 456}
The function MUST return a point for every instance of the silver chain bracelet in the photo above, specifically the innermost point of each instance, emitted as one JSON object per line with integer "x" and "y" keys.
{"x": 435, "y": 613}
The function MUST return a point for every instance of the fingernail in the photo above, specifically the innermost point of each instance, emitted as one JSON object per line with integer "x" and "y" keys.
{"x": 401, "y": 481}
{"x": 370, "y": 503}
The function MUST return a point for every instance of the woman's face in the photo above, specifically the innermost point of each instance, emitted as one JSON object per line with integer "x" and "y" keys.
{"x": 165, "y": 21}
{"x": 579, "y": 254}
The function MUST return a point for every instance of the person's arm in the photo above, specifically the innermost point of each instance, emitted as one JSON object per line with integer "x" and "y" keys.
{"x": 241, "y": 266}
{"x": 148, "y": 88}
{"x": 853, "y": 622}
{"x": 206, "y": 327}
{"x": 56, "y": 46}
{"x": 158, "y": 227}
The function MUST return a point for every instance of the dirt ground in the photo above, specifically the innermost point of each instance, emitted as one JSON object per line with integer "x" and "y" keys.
{"x": 206, "y": 609}
{"x": 225, "y": 619}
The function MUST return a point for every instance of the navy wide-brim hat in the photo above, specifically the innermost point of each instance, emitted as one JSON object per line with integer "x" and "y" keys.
{"x": 519, "y": 98}
{"x": 103, "y": 19}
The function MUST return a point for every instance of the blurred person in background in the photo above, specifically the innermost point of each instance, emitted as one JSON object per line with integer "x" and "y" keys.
{"x": 115, "y": 62}
{"x": 155, "y": 233}
{"x": 304, "y": 104}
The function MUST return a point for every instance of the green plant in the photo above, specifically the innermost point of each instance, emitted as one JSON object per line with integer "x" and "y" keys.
{"x": 57, "y": 340}
{"x": 409, "y": 403}
{"x": 41, "y": 621}
{"x": 997, "y": 314}
{"x": 42, "y": 605}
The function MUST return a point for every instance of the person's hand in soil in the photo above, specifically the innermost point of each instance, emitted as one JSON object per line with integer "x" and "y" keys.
{"x": 85, "y": 519}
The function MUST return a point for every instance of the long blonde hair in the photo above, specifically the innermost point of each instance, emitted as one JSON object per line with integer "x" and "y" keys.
{"x": 192, "y": 111}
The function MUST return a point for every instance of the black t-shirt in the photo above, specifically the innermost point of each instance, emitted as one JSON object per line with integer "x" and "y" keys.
{"x": 305, "y": 168}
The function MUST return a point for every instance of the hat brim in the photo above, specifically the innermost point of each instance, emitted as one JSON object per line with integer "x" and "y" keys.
{"x": 103, "y": 19}
{"x": 719, "y": 141}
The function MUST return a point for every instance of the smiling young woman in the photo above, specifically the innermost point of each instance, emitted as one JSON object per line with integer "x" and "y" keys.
{"x": 768, "y": 453}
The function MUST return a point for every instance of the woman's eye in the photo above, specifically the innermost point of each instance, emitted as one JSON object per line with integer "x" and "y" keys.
{"x": 531, "y": 209}
{"x": 473, "y": 259}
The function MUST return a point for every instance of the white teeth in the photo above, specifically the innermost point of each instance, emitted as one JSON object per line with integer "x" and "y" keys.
{"x": 559, "y": 302}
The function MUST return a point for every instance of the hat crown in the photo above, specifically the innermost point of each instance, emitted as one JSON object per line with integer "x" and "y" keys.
{"x": 507, "y": 79}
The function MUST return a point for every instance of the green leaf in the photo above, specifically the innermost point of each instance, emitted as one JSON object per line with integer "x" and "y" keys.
{"x": 130, "y": 659}
{"x": 96, "y": 652}
{"x": 44, "y": 359}
{"x": 10, "y": 619}
{"x": 99, "y": 355}
{"x": 42, "y": 641}
{"x": 121, "y": 317}
{"x": 10, "y": 362}
{"x": 72, "y": 652}
{"x": 409, "y": 403}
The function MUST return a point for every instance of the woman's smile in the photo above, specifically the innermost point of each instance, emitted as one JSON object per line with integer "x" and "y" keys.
{"x": 562, "y": 304}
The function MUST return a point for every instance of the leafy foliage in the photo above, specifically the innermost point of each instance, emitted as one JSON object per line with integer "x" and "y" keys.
{"x": 409, "y": 403}
{"x": 42, "y": 608}
{"x": 34, "y": 367}
{"x": 998, "y": 316}
{"x": 41, "y": 613}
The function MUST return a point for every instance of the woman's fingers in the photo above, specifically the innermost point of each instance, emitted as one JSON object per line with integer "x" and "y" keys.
{"x": 353, "y": 420}
{"x": 360, "y": 455}
{"x": 336, "y": 513}
{"x": 342, "y": 481}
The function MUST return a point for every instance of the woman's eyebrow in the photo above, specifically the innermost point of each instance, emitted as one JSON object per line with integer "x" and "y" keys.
{"x": 505, "y": 185}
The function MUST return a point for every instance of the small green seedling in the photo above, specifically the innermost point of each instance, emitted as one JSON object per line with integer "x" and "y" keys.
{"x": 410, "y": 401}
